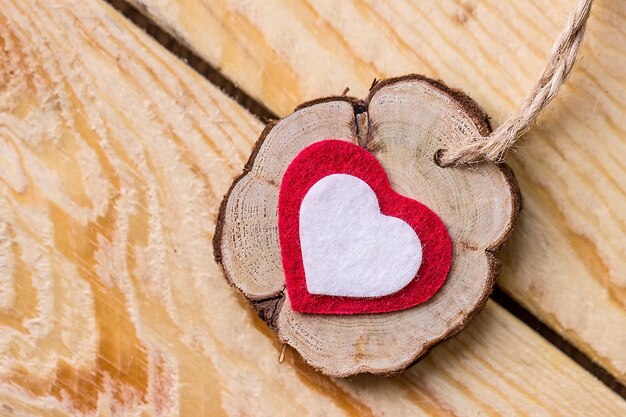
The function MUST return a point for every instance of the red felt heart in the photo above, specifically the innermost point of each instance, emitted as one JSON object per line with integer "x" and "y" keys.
{"x": 328, "y": 157}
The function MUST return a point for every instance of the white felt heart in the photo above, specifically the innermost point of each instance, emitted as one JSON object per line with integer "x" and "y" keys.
{"x": 351, "y": 249}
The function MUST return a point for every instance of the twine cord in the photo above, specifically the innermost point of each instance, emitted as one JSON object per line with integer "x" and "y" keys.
{"x": 562, "y": 57}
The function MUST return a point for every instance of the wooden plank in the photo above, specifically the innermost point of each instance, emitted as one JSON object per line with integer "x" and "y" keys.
{"x": 566, "y": 261}
{"x": 114, "y": 158}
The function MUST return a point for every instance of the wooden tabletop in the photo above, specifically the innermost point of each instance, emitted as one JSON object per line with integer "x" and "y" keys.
{"x": 115, "y": 154}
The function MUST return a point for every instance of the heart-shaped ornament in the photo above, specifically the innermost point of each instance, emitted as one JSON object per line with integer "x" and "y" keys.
{"x": 349, "y": 248}
{"x": 328, "y": 254}
{"x": 350, "y": 244}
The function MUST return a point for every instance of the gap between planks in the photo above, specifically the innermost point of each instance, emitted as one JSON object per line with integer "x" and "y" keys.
{"x": 208, "y": 71}
{"x": 258, "y": 109}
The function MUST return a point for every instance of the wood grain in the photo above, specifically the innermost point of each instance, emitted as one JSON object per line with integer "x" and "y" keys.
{"x": 408, "y": 119}
{"x": 114, "y": 158}
{"x": 566, "y": 261}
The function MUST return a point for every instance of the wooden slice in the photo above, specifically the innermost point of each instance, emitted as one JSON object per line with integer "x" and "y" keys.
{"x": 404, "y": 122}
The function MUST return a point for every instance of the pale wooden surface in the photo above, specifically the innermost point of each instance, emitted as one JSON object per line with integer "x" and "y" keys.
{"x": 408, "y": 121}
{"x": 114, "y": 158}
{"x": 566, "y": 261}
